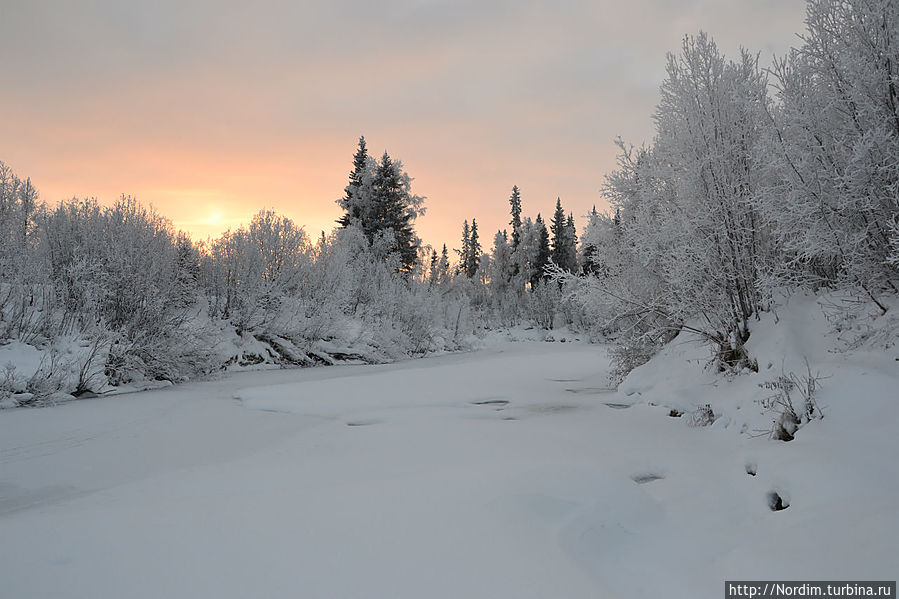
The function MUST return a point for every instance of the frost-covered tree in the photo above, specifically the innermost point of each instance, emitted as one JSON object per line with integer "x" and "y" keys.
{"x": 187, "y": 271}
{"x": 832, "y": 205}
{"x": 685, "y": 244}
{"x": 119, "y": 273}
{"x": 544, "y": 303}
{"x": 539, "y": 241}
{"x": 699, "y": 216}
{"x": 357, "y": 202}
{"x": 571, "y": 244}
{"x": 589, "y": 251}
{"x": 501, "y": 269}
{"x": 504, "y": 290}
{"x": 18, "y": 209}
{"x": 564, "y": 239}
{"x": 379, "y": 201}
{"x": 395, "y": 209}
{"x": 256, "y": 267}
{"x": 22, "y": 265}
{"x": 433, "y": 269}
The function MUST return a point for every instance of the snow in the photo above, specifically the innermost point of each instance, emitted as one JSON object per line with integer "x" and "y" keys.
{"x": 25, "y": 358}
{"x": 512, "y": 471}
{"x": 19, "y": 362}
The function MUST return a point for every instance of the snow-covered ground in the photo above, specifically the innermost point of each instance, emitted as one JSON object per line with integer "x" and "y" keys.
{"x": 512, "y": 471}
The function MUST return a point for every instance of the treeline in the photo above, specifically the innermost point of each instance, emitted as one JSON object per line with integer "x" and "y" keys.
{"x": 113, "y": 295}
{"x": 511, "y": 283}
{"x": 145, "y": 303}
{"x": 757, "y": 180}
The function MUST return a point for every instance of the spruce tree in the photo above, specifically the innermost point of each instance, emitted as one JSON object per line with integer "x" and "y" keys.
{"x": 474, "y": 251}
{"x": 590, "y": 249}
{"x": 434, "y": 269}
{"x": 391, "y": 210}
{"x": 358, "y": 191}
{"x": 501, "y": 262}
{"x": 466, "y": 248}
{"x": 378, "y": 201}
{"x": 187, "y": 272}
{"x": 543, "y": 253}
{"x": 559, "y": 241}
{"x": 571, "y": 245}
{"x": 444, "y": 263}
{"x": 515, "y": 202}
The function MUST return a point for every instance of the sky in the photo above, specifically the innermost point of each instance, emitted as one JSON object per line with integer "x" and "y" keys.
{"x": 212, "y": 110}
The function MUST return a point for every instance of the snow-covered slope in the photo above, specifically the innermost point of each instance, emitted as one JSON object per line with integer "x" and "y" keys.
{"x": 508, "y": 472}
{"x": 839, "y": 475}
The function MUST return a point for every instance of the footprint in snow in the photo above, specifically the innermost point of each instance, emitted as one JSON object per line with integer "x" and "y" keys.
{"x": 777, "y": 503}
{"x": 642, "y": 479}
{"x": 494, "y": 402}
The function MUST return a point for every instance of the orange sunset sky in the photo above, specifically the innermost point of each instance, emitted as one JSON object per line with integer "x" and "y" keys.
{"x": 211, "y": 111}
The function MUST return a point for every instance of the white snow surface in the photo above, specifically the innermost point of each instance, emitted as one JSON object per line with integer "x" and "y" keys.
{"x": 19, "y": 362}
{"x": 418, "y": 480}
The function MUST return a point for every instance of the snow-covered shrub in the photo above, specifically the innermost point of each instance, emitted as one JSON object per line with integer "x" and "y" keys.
{"x": 9, "y": 384}
{"x": 72, "y": 365}
{"x": 731, "y": 356}
{"x": 176, "y": 355}
{"x": 789, "y": 417}
{"x": 343, "y": 296}
{"x": 250, "y": 269}
{"x": 859, "y": 323}
{"x": 629, "y": 353}
{"x": 122, "y": 272}
{"x": 543, "y": 303}
{"x": 893, "y": 257}
{"x": 701, "y": 416}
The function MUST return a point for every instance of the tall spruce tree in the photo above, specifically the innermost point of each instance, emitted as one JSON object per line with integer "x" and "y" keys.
{"x": 378, "y": 201}
{"x": 515, "y": 203}
{"x": 474, "y": 251}
{"x": 465, "y": 252}
{"x": 444, "y": 263}
{"x": 571, "y": 244}
{"x": 559, "y": 241}
{"x": 543, "y": 253}
{"x": 564, "y": 239}
{"x": 358, "y": 191}
{"x": 433, "y": 269}
{"x": 501, "y": 262}
{"x": 391, "y": 206}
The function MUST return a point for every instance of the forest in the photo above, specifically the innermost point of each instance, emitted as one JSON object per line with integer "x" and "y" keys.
{"x": 759, "y": 182}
